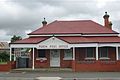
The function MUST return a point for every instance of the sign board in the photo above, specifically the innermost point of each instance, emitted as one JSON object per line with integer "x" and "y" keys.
{"x": 53, "y": 43}
{"x": 54, "y": 46}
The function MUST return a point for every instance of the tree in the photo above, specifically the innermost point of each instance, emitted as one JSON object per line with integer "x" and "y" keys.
{"x": 15, "y": 38}
{"x": 4, "y": 56}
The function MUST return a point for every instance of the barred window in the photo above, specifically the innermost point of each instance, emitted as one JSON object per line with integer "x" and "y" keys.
{"x": 89, "y": 52}
{"x": 103, "y": 52}
{"x": 41, "y": 53}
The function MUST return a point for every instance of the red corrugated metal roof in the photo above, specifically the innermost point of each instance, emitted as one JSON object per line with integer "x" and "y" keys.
{"x": 31, "y": 40}
{"x": 34, "y": 40}
{"x": 72, "y": 27}
{"x": 90, "y": 39}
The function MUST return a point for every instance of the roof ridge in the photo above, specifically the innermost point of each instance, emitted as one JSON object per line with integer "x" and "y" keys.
{"x": 71, "y": 20}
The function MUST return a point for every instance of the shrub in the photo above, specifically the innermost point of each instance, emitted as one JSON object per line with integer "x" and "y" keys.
{"x": 4, "y": 56}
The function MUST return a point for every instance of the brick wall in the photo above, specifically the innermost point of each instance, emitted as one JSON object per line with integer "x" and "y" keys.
{"x": 64, "y": 63}
{"x": 42, "y": 63}
{"x": 46, "y": 63}
{"x": 97, "y": 66}
{"x": 5, "y": 67}
{"x": 92, "y": 65}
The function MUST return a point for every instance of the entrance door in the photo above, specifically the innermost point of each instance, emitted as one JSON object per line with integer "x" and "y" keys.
{"x": 54, "y": 58}
{"x": 22, "y": 62}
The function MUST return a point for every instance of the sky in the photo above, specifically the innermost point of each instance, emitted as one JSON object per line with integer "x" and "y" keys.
{"x": 20, "y": 17}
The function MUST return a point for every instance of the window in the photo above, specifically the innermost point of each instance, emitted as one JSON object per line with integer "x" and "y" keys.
{"x": 68, "y": 54}
{"x": 103, "y": 52}
{"x": 89, "y": 52}
{"x": 41, "y": 53}
{"x": 119, "y": 53}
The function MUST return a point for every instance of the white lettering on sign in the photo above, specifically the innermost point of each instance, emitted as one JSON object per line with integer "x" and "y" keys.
{"x": 53, "y": 46}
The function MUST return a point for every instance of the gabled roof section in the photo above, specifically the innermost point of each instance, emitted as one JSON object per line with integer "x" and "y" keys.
{"x": 73, "y": 27}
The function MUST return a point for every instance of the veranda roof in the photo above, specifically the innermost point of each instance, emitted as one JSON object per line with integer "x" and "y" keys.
{"x": 71, "y": 40}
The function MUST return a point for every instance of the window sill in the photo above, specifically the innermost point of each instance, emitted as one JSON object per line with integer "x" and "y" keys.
{"x": 104, "y": 58}
{"x": 41, "y": 58}
{"x": 88, "y": 58}
{"x": 67, "y": 58}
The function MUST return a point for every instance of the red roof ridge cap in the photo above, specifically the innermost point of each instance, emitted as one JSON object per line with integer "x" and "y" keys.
{"x": 71, "y": 20}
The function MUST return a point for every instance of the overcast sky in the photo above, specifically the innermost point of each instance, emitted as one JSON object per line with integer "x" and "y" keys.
{"x": 19, "y": 17}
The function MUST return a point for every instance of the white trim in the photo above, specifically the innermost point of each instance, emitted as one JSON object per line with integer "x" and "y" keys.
{"x": 73, "y": 53}
{"x": 33, "y": 64}
{"x": 22, "y": 45}
{"x": 56, "y": 35}
{"x": 109, "y": 44}
{"x": 117, "y": 57}
{"x": 65, "y": 45}
{"x": 41, "y": 59}
{"x": 104, "y": 58}
{"x": 73, "y": 35}
{"x": 97, "y": 53}
{"x": 95, "y": 44}
{"x": 100, "y": 35}
{"x": 84, "y": 45}
{"x": 67, "y": 58}
{"x": 10, "y": 54}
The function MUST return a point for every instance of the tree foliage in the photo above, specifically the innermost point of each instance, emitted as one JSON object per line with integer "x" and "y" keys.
{"x": 15, "y": 38}
{"x": 4, "y": 56}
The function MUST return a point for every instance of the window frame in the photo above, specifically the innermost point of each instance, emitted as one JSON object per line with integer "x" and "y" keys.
{"x": 118, "y": 53}
{"x": 104, "y": 57}
{"x": 38, "y": 55}
{"x": 66, "y": 57}
{"x": 93, "y": 52}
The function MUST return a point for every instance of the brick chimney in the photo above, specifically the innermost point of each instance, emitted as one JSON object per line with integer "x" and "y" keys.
{"x": 44, "y": 22}
{"x": 106, "y": 21}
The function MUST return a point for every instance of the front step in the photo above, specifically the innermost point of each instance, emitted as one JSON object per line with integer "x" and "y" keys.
{"x": 42, "y": 70}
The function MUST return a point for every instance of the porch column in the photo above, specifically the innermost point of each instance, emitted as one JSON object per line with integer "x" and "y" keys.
{"x": 97, "y": 53}
{"x": 117, "y": 53}
{"x": 73, "y": 53}
{"x": 33, "y": 64}
{"x": 10, "y": 54}
{"x": 73, "y": 61}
